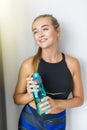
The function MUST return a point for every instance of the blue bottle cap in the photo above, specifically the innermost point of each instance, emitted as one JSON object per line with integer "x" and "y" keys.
{"x": 36, "y": 75}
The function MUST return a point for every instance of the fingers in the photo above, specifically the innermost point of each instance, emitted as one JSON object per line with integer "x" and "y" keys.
{"x": 46, "y": 98}
{"x": 46, "y": 108}
{"x": 31, "y": 85}
{"x": 45, "y": 105}
{"x": 34, "y": 88}
{"x": 29, "y": 81}
{"x": 49, "y": 104}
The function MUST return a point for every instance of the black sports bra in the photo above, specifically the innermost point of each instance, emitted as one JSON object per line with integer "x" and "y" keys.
{"x": 56, "y": 78}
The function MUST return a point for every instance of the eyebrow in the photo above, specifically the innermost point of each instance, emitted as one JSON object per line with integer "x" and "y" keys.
{"x": 41, "y": 27}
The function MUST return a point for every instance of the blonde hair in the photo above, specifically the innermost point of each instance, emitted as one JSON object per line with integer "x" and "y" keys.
{"x": 55, "y": 24}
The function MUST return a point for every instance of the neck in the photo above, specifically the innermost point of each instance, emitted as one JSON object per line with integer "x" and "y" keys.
{"x": 51, "y": 56}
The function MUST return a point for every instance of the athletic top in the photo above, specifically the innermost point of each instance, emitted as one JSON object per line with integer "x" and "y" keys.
{"x": 57, "y": 78}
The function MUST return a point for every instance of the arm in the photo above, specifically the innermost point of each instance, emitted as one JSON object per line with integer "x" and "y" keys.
{"x": 21, "y": 96}
{"x": 78, "y": 98}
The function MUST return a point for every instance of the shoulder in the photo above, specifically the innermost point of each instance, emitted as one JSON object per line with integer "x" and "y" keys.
{"x": 26, "y": 66}
{"x": 27, "y": 61}
{"x": 71, "y": 59}
{"x": 72, "y": 63}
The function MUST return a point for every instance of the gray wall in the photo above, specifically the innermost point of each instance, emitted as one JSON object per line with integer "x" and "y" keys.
{"x": 2, "y": 97}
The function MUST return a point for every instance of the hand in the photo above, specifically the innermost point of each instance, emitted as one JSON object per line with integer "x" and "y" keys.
{"x": 50, "y": 103}
{"x": 31, "y": 86}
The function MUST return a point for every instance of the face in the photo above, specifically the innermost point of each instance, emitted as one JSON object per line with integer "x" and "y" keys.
{"x": 44, "y": 33}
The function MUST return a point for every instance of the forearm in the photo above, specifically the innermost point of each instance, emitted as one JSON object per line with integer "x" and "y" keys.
{"x": 22, "y": 99}
{"x": 70, "y": 103}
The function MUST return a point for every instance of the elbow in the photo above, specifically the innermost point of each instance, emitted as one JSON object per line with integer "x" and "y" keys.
{"x": 15, "y": 99}
{"x": 81, "y": 101}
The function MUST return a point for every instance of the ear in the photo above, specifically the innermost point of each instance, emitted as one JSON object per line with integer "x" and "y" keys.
{"x": 58, "y": 31}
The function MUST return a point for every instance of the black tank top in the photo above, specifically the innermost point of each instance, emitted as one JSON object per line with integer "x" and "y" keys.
{"x": 56, "y": 78}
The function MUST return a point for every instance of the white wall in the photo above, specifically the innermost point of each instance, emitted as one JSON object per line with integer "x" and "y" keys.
{"x": 18, "y": 44}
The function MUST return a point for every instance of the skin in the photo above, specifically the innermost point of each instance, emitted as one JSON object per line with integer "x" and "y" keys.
{"x": 47, "y": 38}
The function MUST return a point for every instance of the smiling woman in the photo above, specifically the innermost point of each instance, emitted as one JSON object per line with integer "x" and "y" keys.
{"x": 60, "y": 75}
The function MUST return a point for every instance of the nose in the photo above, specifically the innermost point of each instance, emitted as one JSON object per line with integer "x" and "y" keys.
{"x": 41, "y": 34}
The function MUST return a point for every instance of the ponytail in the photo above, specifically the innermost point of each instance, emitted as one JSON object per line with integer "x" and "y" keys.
{"x": 36, "y": 59}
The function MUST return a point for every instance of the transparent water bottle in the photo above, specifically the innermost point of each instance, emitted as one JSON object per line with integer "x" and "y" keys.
{"x": 38, "y": 95}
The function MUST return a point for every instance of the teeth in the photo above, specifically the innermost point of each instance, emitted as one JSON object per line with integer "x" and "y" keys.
{"x": 43, "y": 40}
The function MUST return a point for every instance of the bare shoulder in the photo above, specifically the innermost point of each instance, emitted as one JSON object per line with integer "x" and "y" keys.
{"x": 27, "y": 61}
{"x": 72, "y": 60}
{"x": 72, "y": 63}
{"x": 26, "y": 66}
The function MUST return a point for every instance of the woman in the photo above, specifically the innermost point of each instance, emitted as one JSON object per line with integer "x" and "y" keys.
{"x": 60, "y": 75}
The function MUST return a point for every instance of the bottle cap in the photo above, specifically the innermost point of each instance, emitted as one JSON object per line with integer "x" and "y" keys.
{"x": 36, "y": 75}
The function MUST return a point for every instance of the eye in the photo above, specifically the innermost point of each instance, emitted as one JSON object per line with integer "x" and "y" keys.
{"x": 34, "y": 32}
{"x": 45, "y": 29}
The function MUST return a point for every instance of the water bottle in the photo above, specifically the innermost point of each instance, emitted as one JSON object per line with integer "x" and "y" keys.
{"x": 38, "y": 95}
